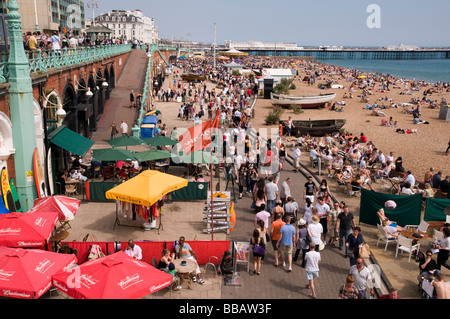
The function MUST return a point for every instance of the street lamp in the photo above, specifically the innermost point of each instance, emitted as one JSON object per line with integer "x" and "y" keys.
{"x": 94, "y": 5}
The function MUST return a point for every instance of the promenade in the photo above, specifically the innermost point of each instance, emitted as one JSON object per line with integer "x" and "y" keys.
{"x": 185, "y": 219}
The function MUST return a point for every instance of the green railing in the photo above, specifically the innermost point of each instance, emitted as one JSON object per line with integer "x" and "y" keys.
{"x": 43, "y": 60}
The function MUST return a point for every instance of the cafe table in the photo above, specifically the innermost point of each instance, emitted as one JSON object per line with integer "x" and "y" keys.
{"x": 184, "y": 268}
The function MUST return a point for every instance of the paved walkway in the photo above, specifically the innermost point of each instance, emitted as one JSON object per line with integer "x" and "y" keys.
{"x": 273, "y": 282}
{"x": 277, "y": 283}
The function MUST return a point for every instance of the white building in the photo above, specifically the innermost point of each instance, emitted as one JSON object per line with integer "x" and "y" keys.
{"x": 130, "y": 25}
{"x": 259, "y": 45}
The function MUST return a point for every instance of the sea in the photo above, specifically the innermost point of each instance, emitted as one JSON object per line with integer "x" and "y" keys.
{"x": 432, "y": 71}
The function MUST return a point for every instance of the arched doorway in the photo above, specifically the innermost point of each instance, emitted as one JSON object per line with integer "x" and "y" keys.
{"x": 112, "y": 78}
{"x": 84, "y": 109}
{"x": 69, "y": 104}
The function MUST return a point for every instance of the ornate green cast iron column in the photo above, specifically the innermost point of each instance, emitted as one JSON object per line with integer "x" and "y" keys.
{"x": 21, "y": 108}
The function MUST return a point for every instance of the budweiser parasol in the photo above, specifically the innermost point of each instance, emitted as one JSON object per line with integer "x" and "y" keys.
{"x": 66, "y": 207}
{"x": 27, "y": 273}
{"x": 26, "y": 229}
{"x": 116, "y": 276}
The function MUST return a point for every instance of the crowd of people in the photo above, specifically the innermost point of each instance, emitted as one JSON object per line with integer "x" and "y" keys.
{"x": 59, "y": 40}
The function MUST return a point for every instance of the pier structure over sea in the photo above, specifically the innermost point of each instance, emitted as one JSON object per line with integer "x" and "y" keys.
{"x": 353, "y": 54}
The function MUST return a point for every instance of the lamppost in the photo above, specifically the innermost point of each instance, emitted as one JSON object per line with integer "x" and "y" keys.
{"x": 36, "y": 17}
{"x": 21, "y": 109}
{"x": 94, "y": 5}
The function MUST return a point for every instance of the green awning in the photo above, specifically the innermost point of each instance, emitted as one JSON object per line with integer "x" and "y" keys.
{"x": 70, "y": 141}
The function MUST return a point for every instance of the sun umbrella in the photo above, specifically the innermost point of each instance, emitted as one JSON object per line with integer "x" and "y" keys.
{"x": 26, "y": 229}
{"x": 146, "y": 188}
{"x": 116, "y": 276}
{"x": 27, "y": 273}
{"x": 66, "y": 207}
{"x": 125, "y": 141}
{"x": 112, "y": 154}
{"x": 152, "y": 155}
{"x": 160, "y": 141}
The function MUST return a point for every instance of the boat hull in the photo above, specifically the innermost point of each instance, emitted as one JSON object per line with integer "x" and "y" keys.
{"x": 193, "y": 77}
{"x": 313, "y": 101}
{"x": 315, "y": 127}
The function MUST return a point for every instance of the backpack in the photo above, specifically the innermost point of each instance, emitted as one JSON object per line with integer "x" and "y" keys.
{"x": 27, "y": 45}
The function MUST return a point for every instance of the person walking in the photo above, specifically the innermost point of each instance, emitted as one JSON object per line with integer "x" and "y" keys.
{"x": 444, "y": 248}
{"x": 258, "y": 247}
{"x": 286, "y": 241}
{"x": 124, "y": 128}
{"x": 275, "y": 235}
{"x": 285, "y": 190}
{"x": 312, "y": 268}
{"x": 348, "y": 290}
{"x": 344, "y": 224}
{"x": 272, "y": 194}
{"x": 354, "y": 241}
{"x": 132, "y": 98}
{"x": 302, "y": 241}
{"x": 113, "y": 130}
{"x": 363, "y": 278}
{"x": 315, "y": 230}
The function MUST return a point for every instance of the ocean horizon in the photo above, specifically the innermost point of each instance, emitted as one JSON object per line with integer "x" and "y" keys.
{"x": 433, "y": 70}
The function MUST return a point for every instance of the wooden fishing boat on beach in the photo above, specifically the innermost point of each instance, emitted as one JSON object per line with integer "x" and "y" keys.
{"x": 311, "y": 101}
{"x": 314, "y": 127}
{"x": 192, "y": 77}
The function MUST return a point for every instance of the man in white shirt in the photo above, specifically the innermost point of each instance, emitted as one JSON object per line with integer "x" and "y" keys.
{"x": 312, "y": 258}
{"x": 124, "y": 128}
{"x": 285, "y": 190}
{"x": 296, "y": 153}
{"x": 133, "y": 250}
{"x": 323, "y": 211}
{"x": 363, "y": 278}
{"x": 271, "y": 194}
{"x": 55, "y": 40}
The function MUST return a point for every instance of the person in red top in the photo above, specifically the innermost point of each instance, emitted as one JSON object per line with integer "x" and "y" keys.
{"x": 393, "y": 294}
{"x": 363, "y": 138}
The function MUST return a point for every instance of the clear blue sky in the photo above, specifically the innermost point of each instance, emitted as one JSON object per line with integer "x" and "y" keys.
{"x": 323, "y": 22}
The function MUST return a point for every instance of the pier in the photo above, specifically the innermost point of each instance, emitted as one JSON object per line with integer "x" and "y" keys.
{"x": 355, "y": 54}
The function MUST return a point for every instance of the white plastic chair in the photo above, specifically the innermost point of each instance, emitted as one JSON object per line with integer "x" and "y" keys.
{"x": 447, "y": 219}
{"x": 405, "y": 244}
{"x": 384, "y": 236}
{"x": 423, "y": 227}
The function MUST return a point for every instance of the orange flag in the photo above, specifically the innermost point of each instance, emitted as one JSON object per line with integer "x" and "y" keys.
{"x": 198, "y": 137}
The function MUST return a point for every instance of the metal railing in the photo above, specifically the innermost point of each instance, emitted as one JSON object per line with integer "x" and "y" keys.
{"x": 43, "y": 60}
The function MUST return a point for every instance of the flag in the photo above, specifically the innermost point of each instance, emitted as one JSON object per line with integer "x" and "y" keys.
{"x": 198, "y": 137}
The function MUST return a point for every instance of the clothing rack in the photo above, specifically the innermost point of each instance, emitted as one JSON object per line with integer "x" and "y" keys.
{"x": 118, "y": 223}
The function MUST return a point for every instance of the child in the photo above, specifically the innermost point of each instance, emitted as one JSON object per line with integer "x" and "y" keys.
{"x": 172, "y": 271}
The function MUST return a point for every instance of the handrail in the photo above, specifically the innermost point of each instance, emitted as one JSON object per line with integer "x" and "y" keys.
{"x": 43, "y": 60}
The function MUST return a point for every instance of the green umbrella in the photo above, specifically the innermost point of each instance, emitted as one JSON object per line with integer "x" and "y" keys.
{"x": 152, "y": 155}
{"x": 113, "y": 154}
{"x": 160, "y": 141}
{"x": 125, "y": 141}
{"x": 198, "y": 157}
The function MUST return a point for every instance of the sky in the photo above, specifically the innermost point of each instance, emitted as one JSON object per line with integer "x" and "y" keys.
{"x": 307, "y": 23}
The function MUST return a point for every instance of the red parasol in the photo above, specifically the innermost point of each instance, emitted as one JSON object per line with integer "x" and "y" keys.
{"x": 67, "y": 207}
{"x": 26, "y": 229}
{"x": 116, "y": 276}
{"x": 27, "y": 273}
